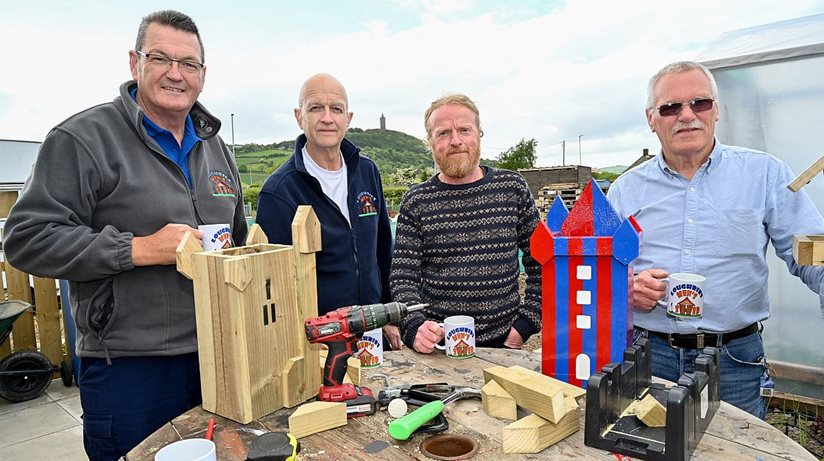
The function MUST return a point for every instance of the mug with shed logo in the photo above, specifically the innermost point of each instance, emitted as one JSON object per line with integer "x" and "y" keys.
{"x": 684, "y": 298}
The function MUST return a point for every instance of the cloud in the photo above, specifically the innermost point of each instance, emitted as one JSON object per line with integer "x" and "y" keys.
{"x": 544, "y": 70}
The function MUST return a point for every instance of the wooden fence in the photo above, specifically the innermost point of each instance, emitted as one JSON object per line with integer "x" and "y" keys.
{"x": 42, "y": 329}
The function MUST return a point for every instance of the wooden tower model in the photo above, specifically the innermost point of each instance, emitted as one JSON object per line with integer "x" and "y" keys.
{"x": 250, "y": 303}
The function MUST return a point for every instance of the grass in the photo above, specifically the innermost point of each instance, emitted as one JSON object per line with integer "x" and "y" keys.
{"x": 807, "y": 431}
{"x": 255, "y": 167}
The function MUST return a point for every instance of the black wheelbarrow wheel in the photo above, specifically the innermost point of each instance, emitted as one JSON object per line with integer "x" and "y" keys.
{"x": 24, "y": 375}
{"x": 66, "y": 373}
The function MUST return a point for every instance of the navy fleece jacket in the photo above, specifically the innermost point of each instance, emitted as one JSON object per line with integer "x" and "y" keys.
{"x": 353, "y": 264}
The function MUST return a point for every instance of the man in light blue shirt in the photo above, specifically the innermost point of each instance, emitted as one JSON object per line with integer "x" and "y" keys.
{"x": 710, "y": 209}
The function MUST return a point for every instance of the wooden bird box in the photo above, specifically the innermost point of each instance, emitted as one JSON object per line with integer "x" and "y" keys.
{"x": 250, "y": 305}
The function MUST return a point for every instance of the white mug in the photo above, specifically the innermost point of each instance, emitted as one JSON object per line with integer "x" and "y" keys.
{"x": 188, "y": 450}
{"x": 459, "y": 337}
{"x": 684, "y": 297}
{"x": 216, "y": 236}
{"x": 370, "y": 348}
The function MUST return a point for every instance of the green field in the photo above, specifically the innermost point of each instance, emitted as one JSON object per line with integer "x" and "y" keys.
{"x": 255, "y": 167}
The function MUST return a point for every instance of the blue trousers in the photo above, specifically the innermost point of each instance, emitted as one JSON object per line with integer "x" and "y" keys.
{"x": 125, "y": 402}
{"x": 742, "y": 367}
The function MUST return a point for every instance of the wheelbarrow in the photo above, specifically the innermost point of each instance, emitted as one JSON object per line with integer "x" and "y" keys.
{"x": 25, "y": 374}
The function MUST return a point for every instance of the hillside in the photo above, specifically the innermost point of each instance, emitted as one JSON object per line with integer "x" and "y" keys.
{"x": 401, "y": 158}
{"x": 390, "y": 150}
{"x": 616, "y": 169}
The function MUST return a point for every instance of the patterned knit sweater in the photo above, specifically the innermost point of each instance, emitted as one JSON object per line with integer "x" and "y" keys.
{"x": 456, "y": 248}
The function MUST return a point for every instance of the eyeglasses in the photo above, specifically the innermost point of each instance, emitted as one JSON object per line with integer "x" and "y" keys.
{"x": 165, "y": 62}
{"x": 696, "y": 105}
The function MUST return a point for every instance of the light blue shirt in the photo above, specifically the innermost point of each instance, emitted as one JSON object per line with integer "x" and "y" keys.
{"x": 718, "y": 225}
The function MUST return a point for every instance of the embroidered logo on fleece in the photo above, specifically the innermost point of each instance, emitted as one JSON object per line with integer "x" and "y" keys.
{"x": 366, "y": 205}
{"x": 222, "y": 185}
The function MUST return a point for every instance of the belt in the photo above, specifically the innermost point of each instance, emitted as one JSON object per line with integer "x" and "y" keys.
{"x": 700, "y": 340}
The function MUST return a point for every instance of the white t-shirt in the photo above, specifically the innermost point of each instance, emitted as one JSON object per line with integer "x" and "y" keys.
{"x": 333, "y": 183}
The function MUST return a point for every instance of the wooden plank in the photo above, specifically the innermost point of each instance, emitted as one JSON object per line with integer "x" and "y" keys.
{"x": 735, "y": 434}
{"x": 807, "y": 176}
{"x": 271, "y": 349}
{"x": 23, "y": 336}
{"x": 808, "y": 250}
{"x": 7, "y": 199}
{"x": 796, "y": 403}
{"x": 533, "y": 434}
{"x": 306, "y": 242}
{"x": 184, "y": 254}
{"x": 538, "y": 395}
{"x": 284, "y": 336}
{"x": 256, "y": 235}
{"x": 315, "y": 417}
{"x": 207, "y": 320}
{"x": 498, "y": 402}
{"x": 234, "y": 314}
{"x": 48, "y": 319}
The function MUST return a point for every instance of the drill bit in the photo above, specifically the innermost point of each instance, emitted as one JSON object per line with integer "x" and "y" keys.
{"x": 415, "y": 307}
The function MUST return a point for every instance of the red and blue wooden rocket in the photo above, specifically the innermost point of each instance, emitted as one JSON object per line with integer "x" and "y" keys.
{"x": 586, "y": 256}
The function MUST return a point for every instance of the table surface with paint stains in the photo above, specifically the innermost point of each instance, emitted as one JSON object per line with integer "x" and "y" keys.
{"x": 732, "y": 435}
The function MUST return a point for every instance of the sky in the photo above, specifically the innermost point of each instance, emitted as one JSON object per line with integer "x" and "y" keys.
{"x": 573, "y": 71}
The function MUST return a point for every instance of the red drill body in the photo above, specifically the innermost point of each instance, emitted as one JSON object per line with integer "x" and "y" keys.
{"x": 340, "y": 329}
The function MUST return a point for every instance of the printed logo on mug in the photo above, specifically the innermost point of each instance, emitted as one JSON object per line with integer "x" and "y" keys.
{"x": 685, "y": 295}
{"x": 370, "y": 348}
{"x": 216, "y": 236}
{"x": 459, "y": 337}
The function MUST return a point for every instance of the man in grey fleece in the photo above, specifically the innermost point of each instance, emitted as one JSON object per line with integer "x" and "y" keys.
{"x": 112, "y": 193}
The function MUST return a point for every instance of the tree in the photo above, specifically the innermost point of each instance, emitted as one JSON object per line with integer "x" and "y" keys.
{"x": 250, "y": 195}
{"x": 520, "y": 156}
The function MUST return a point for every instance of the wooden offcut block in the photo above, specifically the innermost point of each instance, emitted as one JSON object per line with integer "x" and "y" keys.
{"x": 531, "y": 434}
{"x": 534, "y": 391}
{"x": 315, "y": 417}
{"x": 808, "y": 250}
{"x": 649, "y": 411}
{"x": 498, "y": 402}
{"x": 250, "y": 306}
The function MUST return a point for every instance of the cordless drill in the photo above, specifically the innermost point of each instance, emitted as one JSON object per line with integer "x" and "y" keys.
{"x": 339, "y": 330}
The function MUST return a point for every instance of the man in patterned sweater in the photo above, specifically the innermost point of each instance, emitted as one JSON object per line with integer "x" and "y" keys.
{"x": 458, "y": 237}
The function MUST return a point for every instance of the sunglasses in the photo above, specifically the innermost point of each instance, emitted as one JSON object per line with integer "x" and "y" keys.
{"x": 696, "y": 105}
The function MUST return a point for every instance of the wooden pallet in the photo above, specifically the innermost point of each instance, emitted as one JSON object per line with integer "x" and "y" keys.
{"x": 547, "y": 194}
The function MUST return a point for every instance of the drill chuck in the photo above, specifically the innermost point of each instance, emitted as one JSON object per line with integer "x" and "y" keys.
{"x": 378, "y": 315}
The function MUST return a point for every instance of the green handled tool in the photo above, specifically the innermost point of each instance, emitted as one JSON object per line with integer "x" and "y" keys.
{"x": 402, "y": 428}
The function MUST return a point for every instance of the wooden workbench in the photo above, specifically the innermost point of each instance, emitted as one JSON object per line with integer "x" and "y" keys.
{"x": 732, "y": 435}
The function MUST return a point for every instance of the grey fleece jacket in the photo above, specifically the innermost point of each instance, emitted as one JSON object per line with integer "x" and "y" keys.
{"x": 98, "y": 181}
